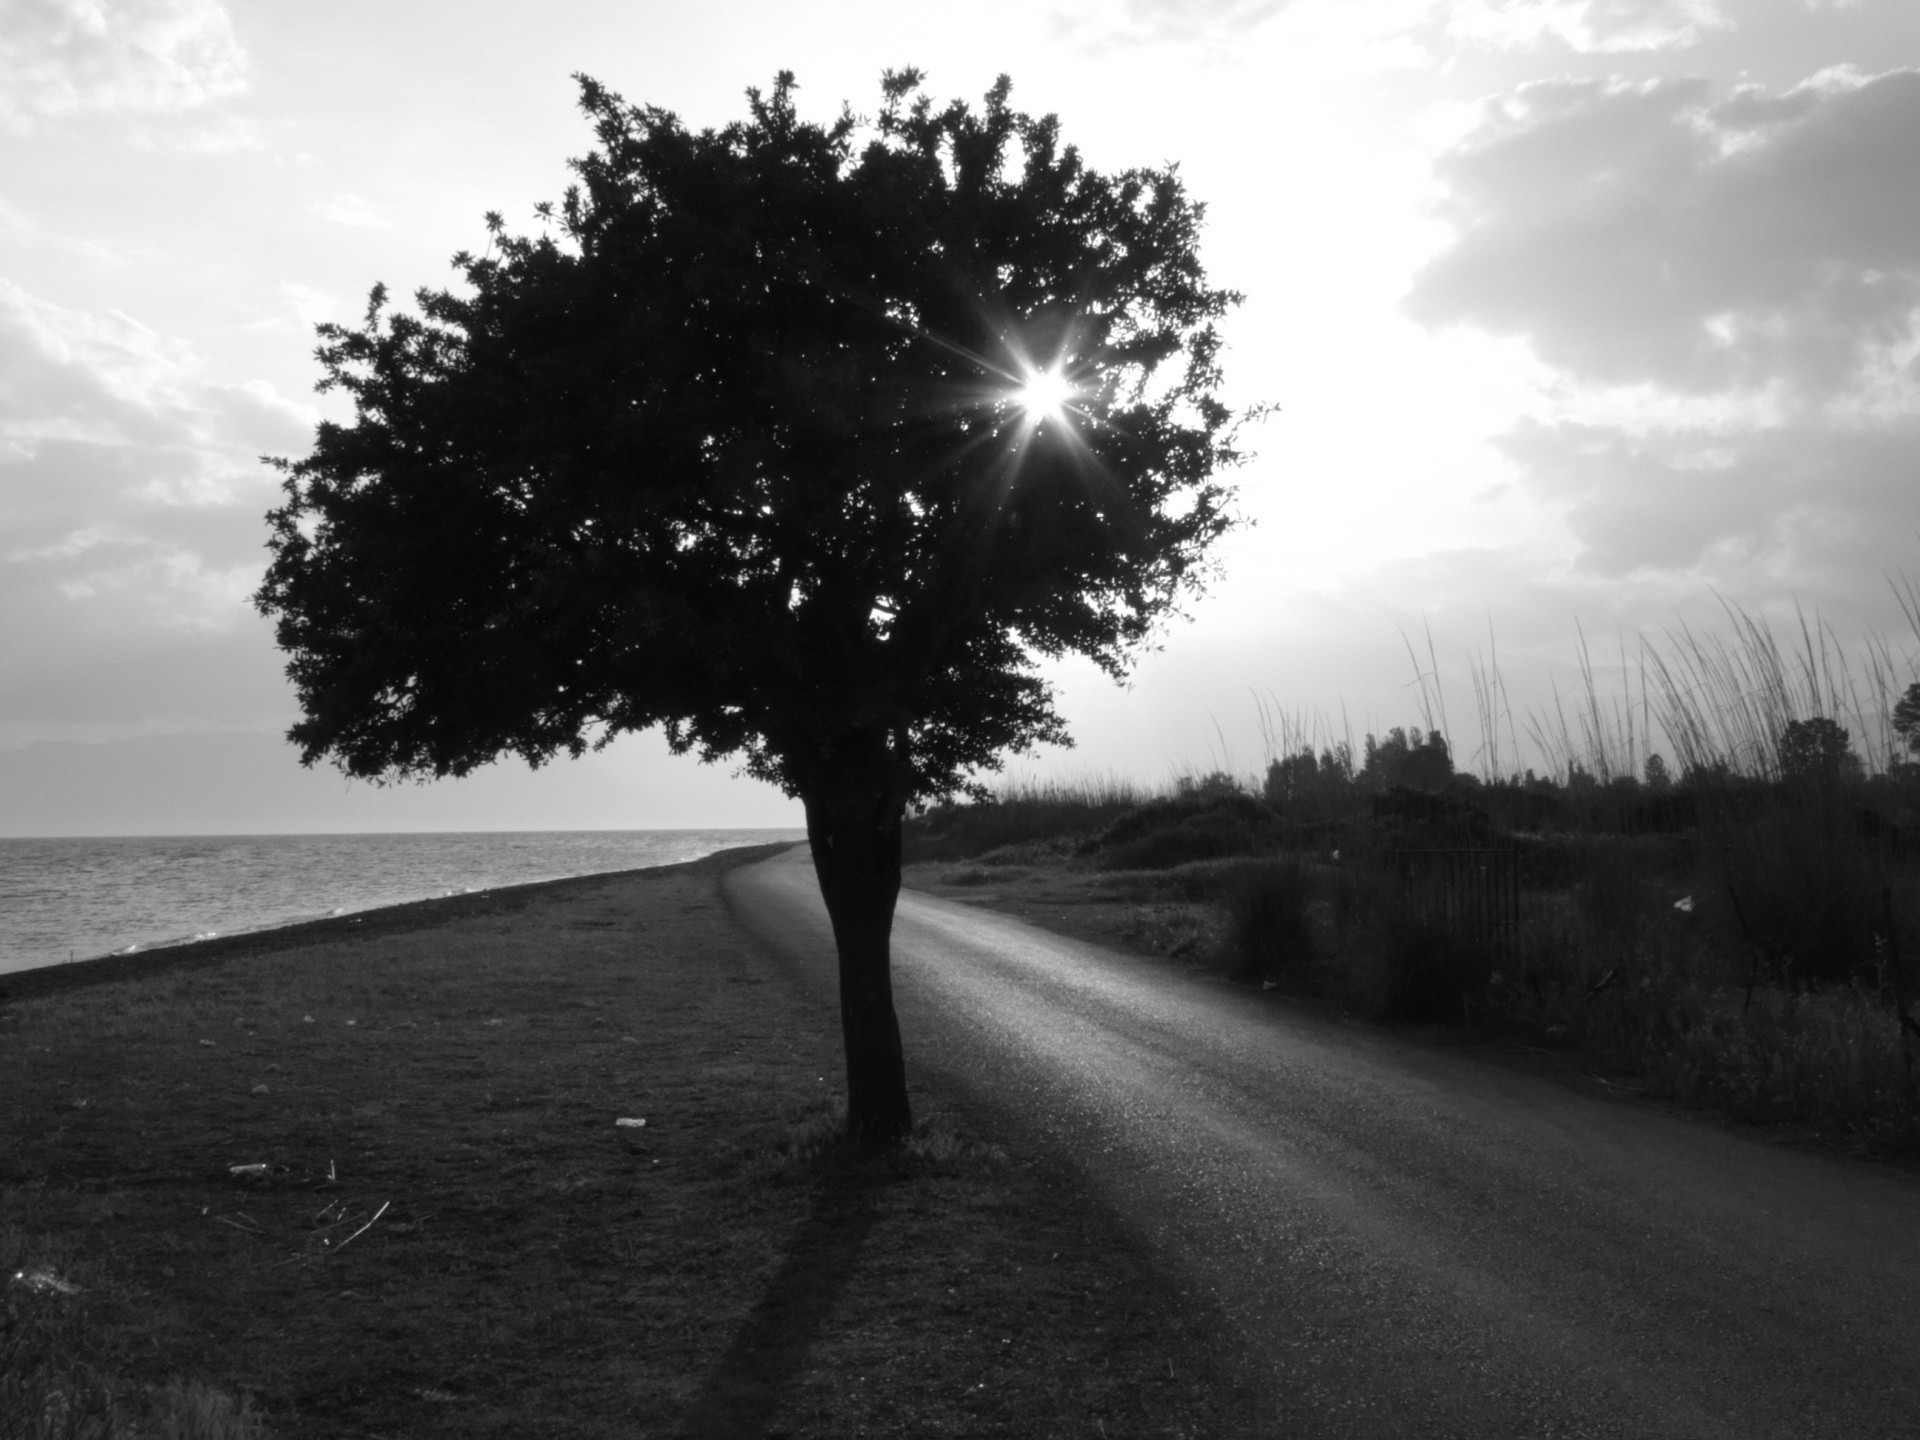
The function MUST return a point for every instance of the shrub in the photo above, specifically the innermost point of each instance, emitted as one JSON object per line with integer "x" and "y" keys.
{"x": 1165, "y": 833}
{"x": 1800, "y": 887}
{"x": 1833, "y": 1059}
{"x": 1269, "y": 926}
{"x": 1425, "y": 971}
{"x": 1018, "y": 815}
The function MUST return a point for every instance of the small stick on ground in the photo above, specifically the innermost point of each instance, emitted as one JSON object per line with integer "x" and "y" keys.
{"x": 363, "y": 1229}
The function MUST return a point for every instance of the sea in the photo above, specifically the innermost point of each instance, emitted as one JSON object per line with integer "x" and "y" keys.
{"x": 71, "y": 899}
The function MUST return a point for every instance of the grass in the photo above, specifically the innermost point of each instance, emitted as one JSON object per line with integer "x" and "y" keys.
{"x": 452, "y": 1237}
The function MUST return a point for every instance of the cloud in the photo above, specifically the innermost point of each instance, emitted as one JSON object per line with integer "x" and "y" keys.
{"x": 347, "y": 210}
{"x": 130, "y": 490}
{"x": 1726, "y": 291}
{"x": 1584, "y": 26}
{"x": 1587, "y": 26}
{"x": 119, "y": 57}
{"x": 1100, "y": 27}
{"x": 1805, "y": 503}
{"x": 1652, "y": 232}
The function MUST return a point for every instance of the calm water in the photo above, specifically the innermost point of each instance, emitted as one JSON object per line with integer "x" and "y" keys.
{"x": 71, "y": 899}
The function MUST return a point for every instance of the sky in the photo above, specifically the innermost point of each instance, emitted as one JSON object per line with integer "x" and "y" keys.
{"x": 1583, "y": 318}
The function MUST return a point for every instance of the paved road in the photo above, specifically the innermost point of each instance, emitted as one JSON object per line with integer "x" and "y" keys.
{"x": 1407, "y": 1241}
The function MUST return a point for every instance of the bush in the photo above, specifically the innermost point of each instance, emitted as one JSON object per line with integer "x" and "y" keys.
{"x": 1833, "y": 1059}
{"x": 1019, "y": 815}
{"x": 1177, "y": 831}
{"x": 1268, "y": 921}
{"x": 1801, "y": 888}
{"x": 1424, "y": 970}
{"x": 1658, "y": 1003}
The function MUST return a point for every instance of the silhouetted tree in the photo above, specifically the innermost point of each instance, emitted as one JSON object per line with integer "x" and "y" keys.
{"x": 1906, "y": 719}
{"x": 1816, "y": 749}
{"x": 1304, "y": 786}
{"x": 1408, "y": 759}
{"x": 802, "y": 442}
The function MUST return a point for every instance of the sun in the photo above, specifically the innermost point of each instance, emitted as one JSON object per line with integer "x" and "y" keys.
{"x": 1044, "y": 395}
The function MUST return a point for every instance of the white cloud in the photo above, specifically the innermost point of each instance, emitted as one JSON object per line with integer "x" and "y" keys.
{"x": 120, "y": 57}
{"x": 1725, "y": 289}
{"x": 1587, "y": 26}
{"x": 131, "y": 493}
{"x": 1583, "y": 26}
{"x": 347, "y": 210}
{"x": 1654, "y": 232}
{"x": 1105, "y": 26}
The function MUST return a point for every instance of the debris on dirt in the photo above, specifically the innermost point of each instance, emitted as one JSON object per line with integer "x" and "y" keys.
{"x": 631, "y": 1124}
{"x": 258, "y": 1167}
{"x": 207, "y": 1043}
{"x": 44, "y": 1282}
{"x": 363, "y": 1229}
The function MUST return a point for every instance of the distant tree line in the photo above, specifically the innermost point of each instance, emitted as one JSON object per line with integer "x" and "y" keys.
{"x": 1411, "y": 772}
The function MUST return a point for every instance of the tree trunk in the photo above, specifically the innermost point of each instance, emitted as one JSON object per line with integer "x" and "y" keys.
{"x": 854, "y": 829}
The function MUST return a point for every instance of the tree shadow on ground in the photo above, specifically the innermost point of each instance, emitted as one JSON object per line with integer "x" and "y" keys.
{"x": 742, "y": 1391}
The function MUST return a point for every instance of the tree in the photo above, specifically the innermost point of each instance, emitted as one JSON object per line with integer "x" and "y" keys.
{"x": 804, "y": 443}
{"x": 1906, "y": 719}
{"x": 1303, "y": 786}
{"x": 1658, "y": 779}
{"x": 1816, "y": 749}
{"x": 1409, "y": 759}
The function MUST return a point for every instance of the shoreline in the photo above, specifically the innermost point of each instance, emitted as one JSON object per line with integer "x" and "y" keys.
{"x": 61, "y": 976}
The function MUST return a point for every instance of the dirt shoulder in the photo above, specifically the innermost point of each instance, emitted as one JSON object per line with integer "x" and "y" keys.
{"x": 452, "y": 1235}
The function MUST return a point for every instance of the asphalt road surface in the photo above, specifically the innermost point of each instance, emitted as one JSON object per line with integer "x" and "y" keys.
{"x": 1406, "y": 1240}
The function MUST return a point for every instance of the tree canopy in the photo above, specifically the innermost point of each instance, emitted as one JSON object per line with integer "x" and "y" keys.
{"x": 1906, "y": 718}
{"x": 805, "y": 443}
{"x": 735, "y": 445}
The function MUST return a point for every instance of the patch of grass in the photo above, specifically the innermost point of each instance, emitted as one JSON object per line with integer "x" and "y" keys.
{"x": 452, "y": 1237}
{"x": 62, "y": 1355}
{"x": 818, "y": 1148}
{"x": 1169, "y": 929}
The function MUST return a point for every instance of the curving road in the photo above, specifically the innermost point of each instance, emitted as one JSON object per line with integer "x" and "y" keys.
{"x": 1407, "y": 1241}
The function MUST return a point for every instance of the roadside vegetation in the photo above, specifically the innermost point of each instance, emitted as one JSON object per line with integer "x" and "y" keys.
{"x": 1739, "y": 928}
